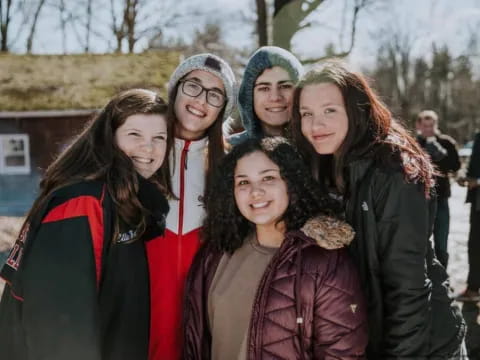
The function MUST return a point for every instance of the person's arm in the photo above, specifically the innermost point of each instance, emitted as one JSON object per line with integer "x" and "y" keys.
{"x": 452, "y": 160}
{"x": 60, "y": 311}
{"x": 196, "y": 335}
{"x": 473, "y": 171}
{"x": 403, "y": 229}
{"x": 340, "y": 311}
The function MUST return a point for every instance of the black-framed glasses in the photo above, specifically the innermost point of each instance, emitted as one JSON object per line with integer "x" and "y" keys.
{"x": 194, "y": 89}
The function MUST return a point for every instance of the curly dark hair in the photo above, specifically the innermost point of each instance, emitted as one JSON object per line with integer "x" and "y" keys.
{"x": 225, "y": 228}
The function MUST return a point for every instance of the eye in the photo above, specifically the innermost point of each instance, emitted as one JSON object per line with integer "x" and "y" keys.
{"x": 286, "y": 86}
{"x": 242, "y": 182}
{"x": 215, "y": 95}
{"x": 263, "y": 88}
{"x": 268, "y": 178}
{"x": 134, "y": 133}
{"x": 329, "y": 110}
{"x": 305, "y": 114}
{"x": 160, "y": 137}
{"x": 192, "y": 85}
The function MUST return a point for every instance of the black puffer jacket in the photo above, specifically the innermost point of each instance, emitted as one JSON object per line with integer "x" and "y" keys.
{"x": 410, "y": 311}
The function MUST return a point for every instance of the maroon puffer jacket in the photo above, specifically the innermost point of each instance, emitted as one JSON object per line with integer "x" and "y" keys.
{"x": 315, "y": 284}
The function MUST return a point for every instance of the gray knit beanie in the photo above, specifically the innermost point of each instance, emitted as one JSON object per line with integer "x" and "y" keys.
{"x": 265, "y": 57}
{"x": 213, "y": 64}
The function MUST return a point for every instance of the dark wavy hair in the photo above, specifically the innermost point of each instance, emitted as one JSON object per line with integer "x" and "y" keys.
{"x": 226, "y": 228}
{"x": 215, "y": 151}
{"x": 372, "y": 132}
{"x": 94, "y": 155}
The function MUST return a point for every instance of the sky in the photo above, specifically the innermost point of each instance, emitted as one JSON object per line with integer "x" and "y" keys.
{"x": 423, "y": 21}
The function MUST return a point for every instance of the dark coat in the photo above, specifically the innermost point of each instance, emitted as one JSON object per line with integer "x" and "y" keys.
{"x": 309, "y": 304}
{"x": 410, "y": 312}
{"x": 473, "y": 171}
{"x": 446, "y": 160}
{"x": 71, "y": 292}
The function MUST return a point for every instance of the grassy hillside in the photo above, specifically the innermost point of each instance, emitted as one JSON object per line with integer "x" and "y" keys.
{"x": 84, "y": 81}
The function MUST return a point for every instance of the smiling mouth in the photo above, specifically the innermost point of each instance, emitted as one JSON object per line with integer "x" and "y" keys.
{"x": 195, "y": 112}
{"x": 277, "y": 109}
{"x": 260, "y": 205}
{"x": 321, "y": 137}
{"x": 141, "y": 160}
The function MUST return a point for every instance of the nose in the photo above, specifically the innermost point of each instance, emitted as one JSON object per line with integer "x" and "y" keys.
{"x": 147, "y": 144}
{"x": 275, "y": 94}
{"x": 257, "y": 191}
{"x": 318, "y": 122}
{"x": 202, "y": 97}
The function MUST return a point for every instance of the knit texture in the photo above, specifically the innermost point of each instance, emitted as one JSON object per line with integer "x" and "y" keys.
{"x": 265, "y": 57}
{"x": 212, "y": 64}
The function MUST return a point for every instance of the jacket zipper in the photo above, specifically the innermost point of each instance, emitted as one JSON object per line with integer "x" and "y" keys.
{"x": 261, "y": 298}
{"x": 183, "y": 168}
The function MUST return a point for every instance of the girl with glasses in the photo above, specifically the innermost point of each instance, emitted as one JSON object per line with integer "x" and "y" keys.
{"x": 201, "y": 94}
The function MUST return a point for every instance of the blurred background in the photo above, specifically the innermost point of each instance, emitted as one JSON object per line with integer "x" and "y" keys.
{"x": 60, "y": 61}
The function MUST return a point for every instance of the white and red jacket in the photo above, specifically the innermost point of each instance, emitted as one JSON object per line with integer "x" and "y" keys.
{"x": 170, "y": 257}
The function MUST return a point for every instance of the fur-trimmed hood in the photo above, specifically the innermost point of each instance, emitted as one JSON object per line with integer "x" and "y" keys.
{"x": 328, "y": 232}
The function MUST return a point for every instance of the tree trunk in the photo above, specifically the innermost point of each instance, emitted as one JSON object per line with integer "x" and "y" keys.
{"x": 262, "y": 24}
{"x": 88, "y": 27}
{"x": 287, "y": 15}
{"x": 34, "y": 26}
{"x": 4, "y": 24}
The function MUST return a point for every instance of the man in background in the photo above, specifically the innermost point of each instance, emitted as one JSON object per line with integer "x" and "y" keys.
{"x": 443, "y": 152}
{"x": 473, "y": 196}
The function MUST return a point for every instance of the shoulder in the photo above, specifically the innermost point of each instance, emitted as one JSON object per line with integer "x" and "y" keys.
{"x": 446, "y": 139}
{"x": 78, "y": 199}
{"x": 320, "y": 261}
{"x": 390, "y": 187}
{"x": 238, "y": 138}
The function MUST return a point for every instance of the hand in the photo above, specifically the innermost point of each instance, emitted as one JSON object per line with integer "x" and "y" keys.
{"x": 471, "y": 183}
{"x": 462, "y": 181}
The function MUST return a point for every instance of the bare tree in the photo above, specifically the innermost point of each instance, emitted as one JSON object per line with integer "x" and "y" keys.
{"x": 290, "y": 17}
{"x": 33, "y": 25}
{"x": 118, "y": 28}
{"x": 262, "y": 22}
{"x": 6, "y": 7}
{"x": 88, "y": 27}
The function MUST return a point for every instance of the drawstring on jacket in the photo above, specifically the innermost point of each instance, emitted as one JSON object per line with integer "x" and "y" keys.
{"x": 298, "y": 300}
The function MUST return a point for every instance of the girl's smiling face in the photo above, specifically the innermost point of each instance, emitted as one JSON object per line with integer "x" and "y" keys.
{"x": 324, "y": 119}
{"x": 260, "y": 192}
{"x": 143, "y": 138}
{"x": 194, "y": 114}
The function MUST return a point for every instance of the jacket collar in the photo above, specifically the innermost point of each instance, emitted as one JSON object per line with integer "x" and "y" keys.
{"x": 326, "y": 232}
{"x": 192, "y": 144}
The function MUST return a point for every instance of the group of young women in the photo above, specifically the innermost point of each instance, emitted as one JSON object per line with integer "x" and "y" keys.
{"x": 148, "y": 241}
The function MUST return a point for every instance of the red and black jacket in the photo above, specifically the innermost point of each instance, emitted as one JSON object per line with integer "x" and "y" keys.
{"x": 72, "y": 293}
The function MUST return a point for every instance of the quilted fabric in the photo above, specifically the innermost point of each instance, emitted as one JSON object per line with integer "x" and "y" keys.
{"x": 309, "y": 305}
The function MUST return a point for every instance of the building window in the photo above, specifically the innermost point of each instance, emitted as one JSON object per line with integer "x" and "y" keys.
{"x": 14, "y": 154}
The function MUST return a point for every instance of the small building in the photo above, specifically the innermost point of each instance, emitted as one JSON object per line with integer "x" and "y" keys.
{"x": 45, "y": 100}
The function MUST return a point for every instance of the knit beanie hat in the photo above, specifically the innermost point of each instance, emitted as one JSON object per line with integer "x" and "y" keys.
{"x": 265, "y": 57}
{"x": 214, "y": 65}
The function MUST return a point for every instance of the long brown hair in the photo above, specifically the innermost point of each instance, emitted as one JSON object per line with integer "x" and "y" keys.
{"x": 94, "y": 155}
{"x": 215, "y": 150}
{"x": 372, "y": 131}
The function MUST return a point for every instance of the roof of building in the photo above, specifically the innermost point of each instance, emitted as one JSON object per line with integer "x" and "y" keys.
{"x": 81, "y": 81}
